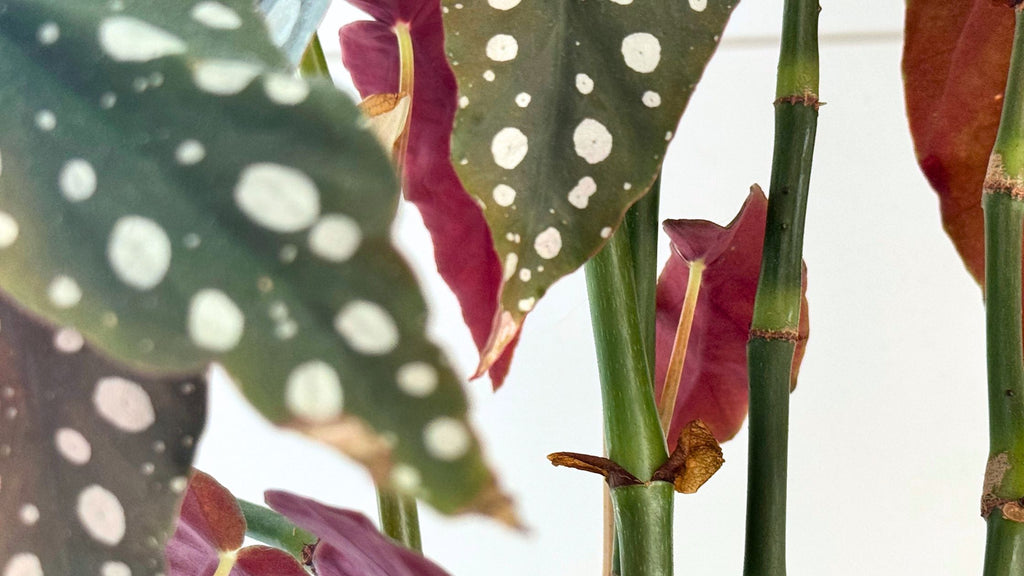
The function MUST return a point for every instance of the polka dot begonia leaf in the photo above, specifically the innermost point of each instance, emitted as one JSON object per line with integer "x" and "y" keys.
{"x": 172, "y": 191}
{"x": 566, "y": 109}
{"x": 292, "y": 23}
{"x": 94, "y": 459}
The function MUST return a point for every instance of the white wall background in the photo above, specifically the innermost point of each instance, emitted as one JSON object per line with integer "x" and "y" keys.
{"x": 888, "y": 425}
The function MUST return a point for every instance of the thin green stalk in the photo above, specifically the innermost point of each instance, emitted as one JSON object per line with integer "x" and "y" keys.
{"x": 314, "y": 63}
{"x": 777, "y": 307}
{"x": 1003, "y": 202}
{"x": 399, "y": 518}
{"x": 633, "y": 436}
{"x": 271, "y": 528}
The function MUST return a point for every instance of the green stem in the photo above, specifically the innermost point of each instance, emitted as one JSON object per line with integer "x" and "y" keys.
{"x": 777, "y": 308}
{"x": 1003, "y": 202}
{"x": 643, "y": 227}
{"x": 314, "y": 63}
{"x": 271, "y": 528}
{"x": 633, "y": 436}
{"x": 399, "y": 518}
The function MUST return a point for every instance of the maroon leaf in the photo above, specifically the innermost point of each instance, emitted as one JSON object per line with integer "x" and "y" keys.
{"x": 955, "y": 60}
{"x": 210, "y": 523}
{"x": 463, "y": 247}
{"x": 266, "y": 561}
{"x": 93, "y": 457}
{"x": 713, "y": 386}
{"x": 349, "y": 544}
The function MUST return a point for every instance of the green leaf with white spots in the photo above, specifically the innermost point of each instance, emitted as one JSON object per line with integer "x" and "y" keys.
{"x": 172, "y": 192}
{"x": 566, "y": 109}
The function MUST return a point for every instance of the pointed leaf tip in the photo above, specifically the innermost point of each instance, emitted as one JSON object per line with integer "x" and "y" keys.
{"x": 463, "y": 248}
{"x": 565, "y": 113}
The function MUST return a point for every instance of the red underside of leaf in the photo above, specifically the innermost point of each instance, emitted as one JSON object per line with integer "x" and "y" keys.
{"x": 350, "y": 544}
{"x": 266, "y": 561}
{"x": 463, "y": 247}
{"x": 210, "y": 522}
{"x": 714, "y": 381}
{"x": 955, "y": 61}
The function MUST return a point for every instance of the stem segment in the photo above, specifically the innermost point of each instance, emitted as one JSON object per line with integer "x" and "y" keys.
{"x": 777, "y": 308}
{"x": 1003, "y": 201}
{"x": 399, "y": 518}
{"x": 271, "y": 528}
{"x": 633, "y": 436}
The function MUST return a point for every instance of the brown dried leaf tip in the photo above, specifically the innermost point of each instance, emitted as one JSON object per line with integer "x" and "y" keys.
{"x": 389, "y": 116}
{"x": 695, "y": 460}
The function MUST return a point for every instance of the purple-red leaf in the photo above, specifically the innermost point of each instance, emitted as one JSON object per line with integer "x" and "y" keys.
{"x": 713, "y": 387}
{"x": 955, "y": 60}
{"x": 266, "y": 561}
{"x": 463, "y": 247}
{"x": 350, "y": 544}
{"x": 210, "y": 523}
{"x": 93, "y": 456}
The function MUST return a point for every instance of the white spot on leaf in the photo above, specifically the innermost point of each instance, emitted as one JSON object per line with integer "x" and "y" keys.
{"x": 102, "y": 515}
{"x": 124, "y": 404}
{"x": 190, "y": 152}
{"x": 548, "y": 243}
{"x": 23, "y": 564}
{"x": 277, "y": 197}
{"x": 313, "y": 392}
{"x": 8, "y": 230}
{"x": 115, "y": 569}
{"x": 64, "y": 292}
{"x": 216, "y": 15}
{"x": 698, "y": 5}
{"x": 48, "y": 33}
{"x": 285, "y": 90}
{"x": 584, "y": 83}
{"x": 446, "y": 439}
{"x": 642, "y": 52}
{"x": 504, "y": 195}
{"x": 128, "y": 39}
{"x": 511, "y": 263}
{"x": 77, "y": 180}
{"x": 28, "y": 514}
{"x": 224, "y": 77}
{"x": 417, "y": 379}
{"x": 592, "y": 141}
{"x": 405, "y": 478}
{"x": 503, "y": 4}
{"x": 651, "y": 99}
{"x": 335, "y": 238}
{"x": 367, "y": 328}
{"x": 46, "y": 120}
{"x": 502, "y": 48}
{"x": 73, "y": 446}
{"x": 139, "y": 252}
{"x": 215, "y": 322}
{"x": 580, "y": 195}
{"x": 509, "y": 147}
{"x": 523, "y": 99}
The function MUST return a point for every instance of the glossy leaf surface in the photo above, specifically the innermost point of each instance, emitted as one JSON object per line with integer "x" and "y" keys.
{"x": 94, "y": 458}
{"x": 713, "y": 387}
{"x": 171, "y": 191}
{"x": 956, "y": 56}
{"x": 566, "y": 109}
{"x": 462, "y": 241}
{"x": 350, "y": 544}
{"x": 292, "y": 23}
